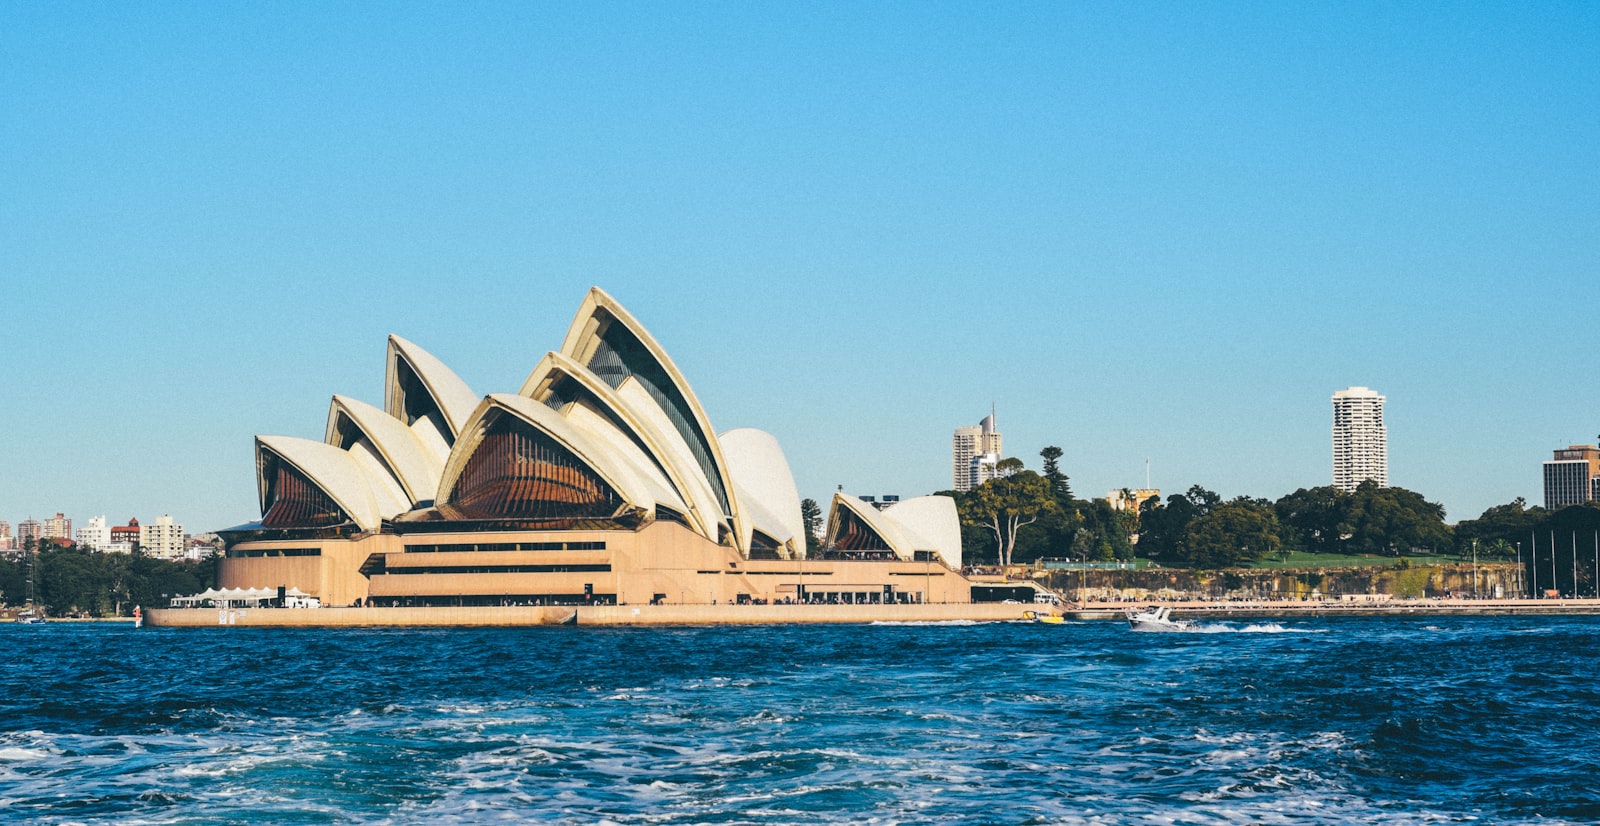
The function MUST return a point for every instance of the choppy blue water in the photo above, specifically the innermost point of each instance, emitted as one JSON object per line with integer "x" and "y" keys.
{"x": 1337, "y": 721}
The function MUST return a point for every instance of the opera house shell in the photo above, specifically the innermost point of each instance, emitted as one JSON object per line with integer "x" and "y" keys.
{"x": 600, "y": 481}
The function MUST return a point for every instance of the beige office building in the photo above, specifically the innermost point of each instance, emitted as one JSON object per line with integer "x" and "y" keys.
{"x": 162, "y": 538}
{"x": 57, "y": 527}
{"x": 1572, "y": 477}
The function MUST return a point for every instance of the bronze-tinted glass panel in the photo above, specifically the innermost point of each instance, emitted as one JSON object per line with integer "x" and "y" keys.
{"x": 856, "y": 535}
{"x": 519, "y": 472}
{"x": 293, "y": 501}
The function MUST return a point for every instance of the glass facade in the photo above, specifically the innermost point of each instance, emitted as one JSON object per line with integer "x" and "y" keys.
{"x": 294, "y": 501}
{"x": 855, "y": 535}
{"x": 519, "y": 472}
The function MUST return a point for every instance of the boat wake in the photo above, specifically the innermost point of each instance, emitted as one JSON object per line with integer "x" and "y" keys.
{"x": 1255, "y": 628}
{"x": 934, "y": 622}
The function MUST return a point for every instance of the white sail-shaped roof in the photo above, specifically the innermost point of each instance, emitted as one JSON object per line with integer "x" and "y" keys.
{"x": 335, "y": 472}
{"x": 416, "y": 468}
{"x": 451, "y": 396}
{"x": 641, "y": 424}
{"x": 886, "y": 530}
{"x": 765, "y": 486}
{"x": 639, "y": 492}
{"x": 929, "y": 523}
{"x": 609, "y": 341}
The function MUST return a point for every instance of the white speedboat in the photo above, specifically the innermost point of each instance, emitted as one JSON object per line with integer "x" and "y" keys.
{"x": 1157, "y": 618}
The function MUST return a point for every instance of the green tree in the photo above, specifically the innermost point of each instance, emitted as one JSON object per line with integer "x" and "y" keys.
{"x": 1106, "y": 533}
{"x": 1511, "y": 523}
{"x": 1164, "y": 528}
{"x": 1004, "y": 505}
{"x": 1394, "y": 520}
{"x": 1009, "y": 466}
{"x": 1316, "y": 518}
{"x": 1232, "y": 534}
{"x": 811, "y": 519}
{"x": 1059, "y": 483}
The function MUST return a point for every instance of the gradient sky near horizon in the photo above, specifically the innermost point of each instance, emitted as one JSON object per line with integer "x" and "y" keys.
{"x": 1141, "y": 230}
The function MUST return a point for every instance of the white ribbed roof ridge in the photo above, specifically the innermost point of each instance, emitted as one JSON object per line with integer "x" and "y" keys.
{"x": 413, "y": 465}
{"x": 695, "y": 500}
{"x": 617, "y": 473}
{"x": 886, "y": 530}
{"x": 929, "y": 523}
{"x": 583, "y": 338}
{"x": 336, "y": 472}
{"x": 452, "y": 395}
{"x": 766, "y": 486}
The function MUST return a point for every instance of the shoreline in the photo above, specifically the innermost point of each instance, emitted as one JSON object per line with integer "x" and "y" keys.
{"x": 1262, "y": 609}
{"x": 681, "y": 615}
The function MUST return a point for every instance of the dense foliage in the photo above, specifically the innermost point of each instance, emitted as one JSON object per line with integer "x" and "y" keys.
{"x": 1198, "y": 529}
{"x": 69, "y": 580}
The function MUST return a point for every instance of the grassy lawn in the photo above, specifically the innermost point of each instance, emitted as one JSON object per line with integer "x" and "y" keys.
{"x": 1305, "y": 560}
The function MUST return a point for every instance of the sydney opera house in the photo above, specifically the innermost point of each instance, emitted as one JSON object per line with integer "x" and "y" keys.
{"x": 600, "y": 482}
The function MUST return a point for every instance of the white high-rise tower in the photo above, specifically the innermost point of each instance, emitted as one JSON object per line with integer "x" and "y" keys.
{"x": 1360, "y": 439}
{"x": 974, "y": 454}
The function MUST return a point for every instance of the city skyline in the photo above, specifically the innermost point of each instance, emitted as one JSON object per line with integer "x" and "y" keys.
{"x": 1145, "y": 232}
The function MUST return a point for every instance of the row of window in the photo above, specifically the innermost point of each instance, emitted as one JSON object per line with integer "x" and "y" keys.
{"x": 506, "y": 546}
{"x": 501, "y": 569}
{"x": 270, "y": 552}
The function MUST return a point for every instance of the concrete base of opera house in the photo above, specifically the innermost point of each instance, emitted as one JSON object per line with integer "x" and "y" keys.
{"x": 606, "y": 615}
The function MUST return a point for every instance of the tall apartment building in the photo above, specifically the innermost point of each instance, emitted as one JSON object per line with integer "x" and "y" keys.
{"x": 162, "y": 538}
{"x": 1360, "y": 439}
{"x": 974, "y": 453}
{"x": 1572, "y": 477}
{"x": 29, "y": 531}
{"x": 94, "y": 536}
{"x": 6, "y": 543}
{"x": 58, "y": 527}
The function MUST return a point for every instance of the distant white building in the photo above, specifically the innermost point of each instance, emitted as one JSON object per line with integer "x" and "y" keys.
{"x": 95, "y": 536}
{"x": 1131, "y": 500}
{"x": 162, "y": 538}
{"x": 1360, "y": 439}
{"x": 974, "y": 453}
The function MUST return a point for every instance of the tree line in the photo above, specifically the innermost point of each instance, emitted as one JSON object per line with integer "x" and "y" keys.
{"x": 1021, "y": 516}
{"x": 70, "y": 580}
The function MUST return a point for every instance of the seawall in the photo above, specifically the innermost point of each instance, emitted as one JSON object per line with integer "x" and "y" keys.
{"x": 581, "y": 615}
{"x": 1287, "y": 584}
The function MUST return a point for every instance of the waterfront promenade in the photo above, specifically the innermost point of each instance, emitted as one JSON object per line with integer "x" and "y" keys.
{"x": 659, "y": 615}
{"x": 587, "y": 615}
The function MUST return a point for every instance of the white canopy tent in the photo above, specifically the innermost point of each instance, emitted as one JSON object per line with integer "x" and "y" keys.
{"x": 237, "y": 597}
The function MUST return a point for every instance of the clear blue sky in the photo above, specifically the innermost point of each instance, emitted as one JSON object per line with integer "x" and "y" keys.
{"x": 1143, "y": 230}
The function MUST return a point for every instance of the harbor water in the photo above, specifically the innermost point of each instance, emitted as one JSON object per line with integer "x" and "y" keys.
{"x": 1349, "y": 720}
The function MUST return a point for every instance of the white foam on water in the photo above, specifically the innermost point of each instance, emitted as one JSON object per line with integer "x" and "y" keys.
{"x": 1255, "y": 628}
{"x": 931, "y": 623}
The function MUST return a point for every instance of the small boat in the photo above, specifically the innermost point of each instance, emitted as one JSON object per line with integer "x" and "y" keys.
{"x": 1035, "y": 616}
{"x": 1157, "y": 618}
{"x": 28, "y": 616}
